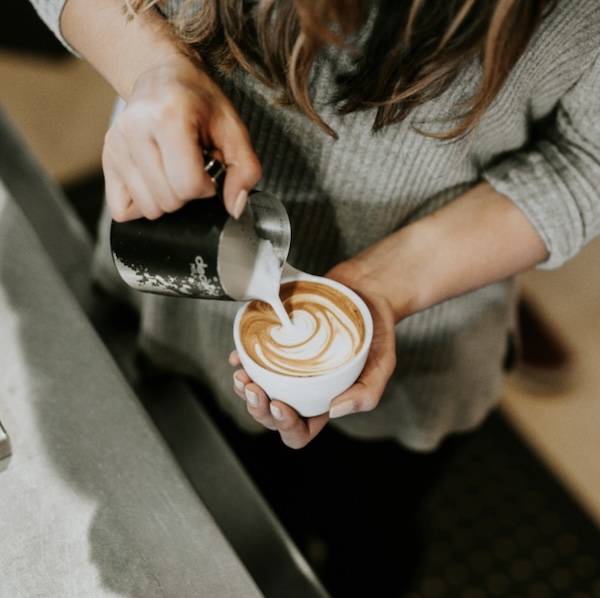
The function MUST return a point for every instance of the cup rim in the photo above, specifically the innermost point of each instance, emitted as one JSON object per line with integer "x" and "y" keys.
{"x": 355, "y": 297}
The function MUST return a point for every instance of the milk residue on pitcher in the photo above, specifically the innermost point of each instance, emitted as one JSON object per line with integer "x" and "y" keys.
{"x": 266, "y": 279}
{"x": 249, "y": 268}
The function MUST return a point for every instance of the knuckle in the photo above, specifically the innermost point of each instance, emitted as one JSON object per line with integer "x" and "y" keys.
{"x": 293, "y": 442}
{"x": 249, "y": 169}
{"x": 118, "y": 203}
{"x": 368, "y": 402}
{"x": 258, "y": 415}
{"x": 171, "y": 204}
{"x": 118, "y": 212}
{"x": 174, "y": 104}
{"x": 254, "y": 170}
{"x": 125, "y": 126}
{"x": 109, "y": 151}
{"x": 108, "y": 138}
{"x": 152, "y": 212}
{"x": 193, "y": 185}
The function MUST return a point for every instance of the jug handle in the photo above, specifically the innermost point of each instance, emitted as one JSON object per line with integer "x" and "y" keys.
{"x": 216, "y": 170}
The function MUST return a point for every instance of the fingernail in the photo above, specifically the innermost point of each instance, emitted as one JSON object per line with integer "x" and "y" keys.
{"x": 240, "y": 203}
{"x": 341, "y": 409}
{"x": 276, "y": 412}
{"x": 239, "y": 385}
{"x": 252, "y": 398}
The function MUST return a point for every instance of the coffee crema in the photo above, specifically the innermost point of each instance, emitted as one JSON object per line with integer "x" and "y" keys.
{"x": 328, "y": 330}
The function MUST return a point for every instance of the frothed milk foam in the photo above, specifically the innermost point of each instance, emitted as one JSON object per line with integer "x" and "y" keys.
{"x": 328, "y": 330}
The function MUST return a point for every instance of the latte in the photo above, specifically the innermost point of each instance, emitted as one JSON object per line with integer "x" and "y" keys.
{"x": 327, "y": 331}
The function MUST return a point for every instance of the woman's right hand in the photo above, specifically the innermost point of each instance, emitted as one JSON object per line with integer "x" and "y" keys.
{"x": 153, "y": 152}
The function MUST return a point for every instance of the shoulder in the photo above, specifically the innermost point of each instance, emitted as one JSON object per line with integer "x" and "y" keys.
{"x": 572, "y": 28}
{"x": 562, "y": 51}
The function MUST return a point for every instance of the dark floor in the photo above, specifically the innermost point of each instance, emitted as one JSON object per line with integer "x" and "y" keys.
{"x": 480, "y": 517}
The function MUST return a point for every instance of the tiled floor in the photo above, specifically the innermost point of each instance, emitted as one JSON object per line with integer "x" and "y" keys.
{"x": 61, "y": 107}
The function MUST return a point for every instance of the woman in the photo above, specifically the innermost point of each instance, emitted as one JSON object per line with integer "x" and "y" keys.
{"x": 426, "y": 152}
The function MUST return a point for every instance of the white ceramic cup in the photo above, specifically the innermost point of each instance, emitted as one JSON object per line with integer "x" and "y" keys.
{"x": 309, "y": 395}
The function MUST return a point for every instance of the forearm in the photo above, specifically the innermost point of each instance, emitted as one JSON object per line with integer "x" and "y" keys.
{"x": 479, "y": 238}
{"x": 119, "y": 47}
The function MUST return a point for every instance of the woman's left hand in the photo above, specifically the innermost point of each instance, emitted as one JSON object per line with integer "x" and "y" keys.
{"x": 477, "y": 239}
{"x": 296, "y": 431}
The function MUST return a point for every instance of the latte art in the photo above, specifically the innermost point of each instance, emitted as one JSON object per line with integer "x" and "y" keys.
{"x": 327, "y": 331}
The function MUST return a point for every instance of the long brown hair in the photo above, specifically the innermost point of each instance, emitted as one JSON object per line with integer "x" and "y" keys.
{"x": 415, "y": 50}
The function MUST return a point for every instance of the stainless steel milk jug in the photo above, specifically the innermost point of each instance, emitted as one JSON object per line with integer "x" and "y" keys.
{"x": 200, "y": 250}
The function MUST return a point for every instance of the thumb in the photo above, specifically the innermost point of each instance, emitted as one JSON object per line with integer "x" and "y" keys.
{"x": 243, "y": 173}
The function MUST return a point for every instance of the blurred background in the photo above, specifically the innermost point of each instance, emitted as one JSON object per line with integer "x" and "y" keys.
{"x": 62, "y": 107}
{"x": 59, "y": 104}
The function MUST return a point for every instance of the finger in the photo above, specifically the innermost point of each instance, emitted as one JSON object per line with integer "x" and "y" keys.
{"x": 295, "y": 431}
{"x": 183, "y": 162}
{"x": 133, "y": 151}
{"x": 258, "y": 405}
{"x": 230, "y": 136}
{"x": 119, "y": 201}
{"x": 257, "y": 402}
{"x": 240, "y": 379}
{"x": 234, "y": 359}
{"x": 126, "y": 182}
{"x": 228, "y": 141}
{"x": 149, "y": 162}
{"x": 118, "y": 198}
{"x": 366, "y": 393}
{"x": 243, "y": 173}
{"x": 358, "y": 398}
{"x": 142, "y": 195}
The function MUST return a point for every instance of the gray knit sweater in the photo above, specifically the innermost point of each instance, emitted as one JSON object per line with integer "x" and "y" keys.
{"x": 538, "y": 144}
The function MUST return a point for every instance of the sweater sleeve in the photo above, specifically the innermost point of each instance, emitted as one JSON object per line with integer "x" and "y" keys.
{"x": 50, "y": 11}
{"x": 556, "y": 182}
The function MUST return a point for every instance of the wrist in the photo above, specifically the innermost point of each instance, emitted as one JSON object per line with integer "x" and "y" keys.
{"x": 121, "y": 47}
{"x": 370, "y": 278}
{"x": 477, "y": 239}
